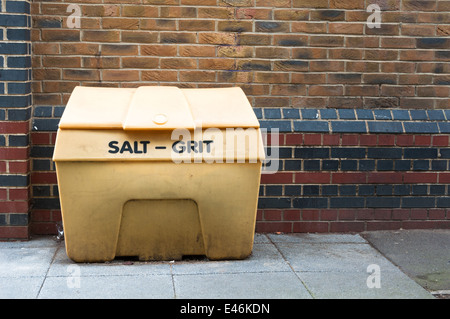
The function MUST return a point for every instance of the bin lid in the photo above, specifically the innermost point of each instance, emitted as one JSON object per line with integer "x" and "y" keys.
{"x": 157, "y": 108}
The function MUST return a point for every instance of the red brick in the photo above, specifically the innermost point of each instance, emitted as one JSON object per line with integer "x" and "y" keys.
{"x": 14, "y": 127}
{"x": 405, "y": 140}
{"x": 272, "y": 227}
{"x": 400, "y": 214}
{"x": 273, "y": 214}
{"x": 291, "y": 214}
{"x": 331, "y": 139}
{"x": 310, "y": 227}
{"x": 18, "y": 194}
{"x": 310, "y": 214}
{"x": 312, "y": 139}
{"x": 328, "y": 214}
{"x": 349, "y": 178}
{"x": 277, "y": 178}
{"x": 13, "y": 153}
{"x": 43, "y": 178}
{"x": 18, "y": 167}
{"x": 444, "y": 178}
{"x": 350, "y": 139}
{"x": 312, "y": 178}
{"x": 367, "y": 140}
{"x": 413, "y": 177}
{"x": 440, "y": 140}
{"x": 14, "y": 232}
{"x": 383, "y": 225}
{"x": 14, "y": 207}
{"x": 384, "y": 178}
{"x": 382, "y": 214}
{"x": 294, "y": 139}
{"x": 345, "y": 227}
{"x": 386, "y": 140}
{"x": 422, "y": 140}
{"x": 347, "y": 214}
{"x": 436, "y": 214}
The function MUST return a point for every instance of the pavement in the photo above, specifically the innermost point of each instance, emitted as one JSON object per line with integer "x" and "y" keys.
{"x": 386, "y": 265}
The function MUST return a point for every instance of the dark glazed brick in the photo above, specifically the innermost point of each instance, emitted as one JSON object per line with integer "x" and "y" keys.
{"x": 310, "y": 114}
{"x": 445, "y": 152}
{"x": 282, "y": 126}
{"x": 366, "y": 165}
{"x": 364, "y": 114}
{"x": 401, "y": 115}
{"x": 421, "y": 165}
{"x": 346, "y": 202}
{"x": 443, "y": 202}
{"x": 313, "y": 165}
{"x": 402, "y": 165}
{"x": 329, "y": 190}
{"x": 347, "y": 190}
{"x": 384, "y": 189}
{"x": 365, "y": 190}
{"x": 384, "y": 152}
{"x": 311, "y": 126}
{"x": 45, "y": 124}
{"x": 274, "y": 190}
{"x": 14, "y": 180}
{"x": 46, "y": 203}
{"x": 349, "y": 165}
{"x": 347, "y": 114}
{"x": 419, "y": 190}
{"x": 420, "y": 153}
{"x": 330, "y": 165}
{"x": 382, "y": 114}
{"x": 437, "y": 190}
{"x": 291, "y": 114}
{"x": 436, "y": 115}
{"x": 418, "y": 115}
{"x": 328, "y": 114}
{"x": 290, "y": 190}
{"x": 312, "y": 152}
{"x": 18, "y": 219}
{"x": 383, "y": 202}
{"x": 418, "y": 202}
{"x": 311, "y": 190}
{"x": 272, "y": 113}
{"x": 348, "y": 127}
{"x": 348, "y": 152}
{"x": 385, "y": 165}
{"x": 292, "y": 165}
{"x": 438, "y": 165}
{"x": 310, "y": 202}
{"x": 402, "y": 189}
{"x": 274, "y": 203}
{"x": 420, "y": 127}
{"x": 385, "y": 127}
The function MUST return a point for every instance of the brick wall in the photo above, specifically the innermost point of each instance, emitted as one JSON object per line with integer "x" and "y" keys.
{"x": 356, "y": 170}
{"x": 287, "y": 55}
{"x": 15, "y": 114}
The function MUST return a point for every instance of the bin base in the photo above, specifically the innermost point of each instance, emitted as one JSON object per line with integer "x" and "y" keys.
{"x": 160, "y": 230}
{"x": 158, "y": 211}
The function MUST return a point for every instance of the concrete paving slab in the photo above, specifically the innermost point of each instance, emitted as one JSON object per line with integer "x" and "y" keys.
{"x": 264, "y": 258}
{"x": 269, "y": 285}
{"x": 20, "y": 287}
{"x": 316, "y": 238}
{"x": 25, "y": 262}
{"x": 332, "y": 257}
{"x": 338, "y": 285}
{"x": 63, "y": 266}
{"x": 108, "y": 287}
{"x": 422, "y": 254}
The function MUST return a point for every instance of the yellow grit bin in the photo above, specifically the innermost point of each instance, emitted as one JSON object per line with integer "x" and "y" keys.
{"x": 158, "y": 173}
